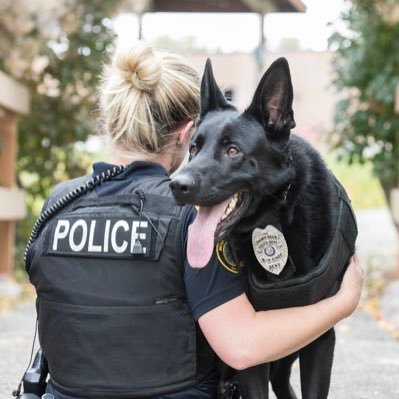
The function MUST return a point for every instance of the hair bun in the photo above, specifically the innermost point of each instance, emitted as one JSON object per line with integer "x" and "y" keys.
{"x": 139, "y": 66}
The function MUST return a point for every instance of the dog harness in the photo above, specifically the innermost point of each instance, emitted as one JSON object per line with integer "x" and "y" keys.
{"x": 322, "y": 281}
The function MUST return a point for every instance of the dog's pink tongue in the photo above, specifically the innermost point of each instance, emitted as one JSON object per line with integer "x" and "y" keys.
{"x": 201, "y": 234}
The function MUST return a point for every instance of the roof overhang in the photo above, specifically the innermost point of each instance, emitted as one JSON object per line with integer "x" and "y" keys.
{"x": 266, "y": 6}
{"x": 228, "y": 6}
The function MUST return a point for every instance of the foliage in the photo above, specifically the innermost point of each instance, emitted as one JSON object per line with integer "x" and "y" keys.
{"x": 363, "y": 188}
{"x": 56, "y": 48}
{"x": 367, "y": 73}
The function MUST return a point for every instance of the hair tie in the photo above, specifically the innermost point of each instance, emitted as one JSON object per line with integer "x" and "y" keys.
{"x": 133, "y": 78}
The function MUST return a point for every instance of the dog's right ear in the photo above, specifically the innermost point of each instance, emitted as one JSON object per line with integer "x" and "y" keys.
{"x": 272, "y": 101}
{"x": 211, "y": 96}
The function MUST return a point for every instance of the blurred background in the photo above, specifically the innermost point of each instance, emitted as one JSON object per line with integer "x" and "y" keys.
{"x": 344, "y": 60}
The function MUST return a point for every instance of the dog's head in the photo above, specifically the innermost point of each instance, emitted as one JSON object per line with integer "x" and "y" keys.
{"x": 237, "y": 159}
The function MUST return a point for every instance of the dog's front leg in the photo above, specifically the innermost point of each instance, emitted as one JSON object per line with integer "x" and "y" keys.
{"x": 315, "y": 364}
{"x": 254, "y": 382}
{"x": 280, "y": 372}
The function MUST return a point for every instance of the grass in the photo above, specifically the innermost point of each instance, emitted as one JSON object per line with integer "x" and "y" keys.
{"x": 362, "y": 186}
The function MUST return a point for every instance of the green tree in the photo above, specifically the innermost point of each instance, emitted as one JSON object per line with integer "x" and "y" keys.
{"x": 367, "y": 73}
{"x": 56, "y": 49}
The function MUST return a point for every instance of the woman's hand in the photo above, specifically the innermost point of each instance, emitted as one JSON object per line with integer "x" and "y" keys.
{"x": 351, "y": 286}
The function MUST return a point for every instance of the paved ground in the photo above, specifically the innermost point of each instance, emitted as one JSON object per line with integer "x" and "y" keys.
{"x": 16, "y": 336}
{"x": 366, "y": 361}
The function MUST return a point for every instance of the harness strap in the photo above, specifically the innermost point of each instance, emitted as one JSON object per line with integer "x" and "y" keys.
{"x": 321, "y": 281}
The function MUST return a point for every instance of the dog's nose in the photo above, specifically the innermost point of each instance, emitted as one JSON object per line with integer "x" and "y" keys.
{"x": 182, "y": 186}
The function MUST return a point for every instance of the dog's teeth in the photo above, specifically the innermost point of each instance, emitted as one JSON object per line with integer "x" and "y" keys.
{"x": 230, "y": 207}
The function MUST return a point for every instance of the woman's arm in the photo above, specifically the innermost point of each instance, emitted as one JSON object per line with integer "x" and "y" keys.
{"x": 242, "y": 337}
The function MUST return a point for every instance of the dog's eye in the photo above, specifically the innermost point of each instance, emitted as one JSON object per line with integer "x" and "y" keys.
{"x": 232, "y": 151}
{"x": 193, "y": 151}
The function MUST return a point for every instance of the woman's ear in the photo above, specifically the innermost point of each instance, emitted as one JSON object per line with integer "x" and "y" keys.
{"x": 184, "y": 133}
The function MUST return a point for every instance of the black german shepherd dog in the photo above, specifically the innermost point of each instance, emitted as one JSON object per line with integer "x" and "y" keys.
{"x": 270, "y": 195}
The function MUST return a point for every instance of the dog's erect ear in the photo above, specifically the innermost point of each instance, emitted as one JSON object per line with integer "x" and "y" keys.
{"x": 211, "y": 96}
{"x": 272, "y": 101}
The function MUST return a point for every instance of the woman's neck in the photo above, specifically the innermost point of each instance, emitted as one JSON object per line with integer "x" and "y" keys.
{"x": 123, "y": 157}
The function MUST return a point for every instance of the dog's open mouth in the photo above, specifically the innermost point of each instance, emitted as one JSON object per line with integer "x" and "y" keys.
{"x": 211, "y": 225}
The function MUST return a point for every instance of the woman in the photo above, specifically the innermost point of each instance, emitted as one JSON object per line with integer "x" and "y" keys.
{"x": 121, "y": 312}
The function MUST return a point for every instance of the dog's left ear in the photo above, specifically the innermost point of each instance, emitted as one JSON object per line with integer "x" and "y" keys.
{"x": 211, "y": 96}
{"x": 272, "y": 101}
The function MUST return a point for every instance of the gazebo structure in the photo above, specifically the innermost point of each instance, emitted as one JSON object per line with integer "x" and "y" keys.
{"x": 260, "y": 7}
{"x": 14, "y": 100}
{"x": 223, "y": 5}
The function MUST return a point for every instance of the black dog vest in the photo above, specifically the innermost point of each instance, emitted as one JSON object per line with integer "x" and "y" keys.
{"x": 324, "y": 278}
{"x": 114, "y": 322}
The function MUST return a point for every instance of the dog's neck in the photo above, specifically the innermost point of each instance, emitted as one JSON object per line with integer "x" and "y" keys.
{"x": 275, "y": 209}
{"x": 265, "y": 212}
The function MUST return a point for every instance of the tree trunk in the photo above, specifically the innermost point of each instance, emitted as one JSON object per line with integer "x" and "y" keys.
{"x": 387, "y": 188}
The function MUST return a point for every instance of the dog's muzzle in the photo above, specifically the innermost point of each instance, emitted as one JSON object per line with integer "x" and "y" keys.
{"x": 183, "y": 188}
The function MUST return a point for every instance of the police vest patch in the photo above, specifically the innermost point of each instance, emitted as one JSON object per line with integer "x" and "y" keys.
{"x": 97, "y": 235}
{"x": 225, "y": 256}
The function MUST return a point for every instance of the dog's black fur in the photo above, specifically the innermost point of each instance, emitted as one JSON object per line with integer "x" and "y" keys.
{"x": 283, "y": 182}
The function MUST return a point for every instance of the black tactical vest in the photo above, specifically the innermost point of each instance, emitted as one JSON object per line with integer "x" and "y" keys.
{"x": 114, "y": 323}
{"x": 324, "y": 279}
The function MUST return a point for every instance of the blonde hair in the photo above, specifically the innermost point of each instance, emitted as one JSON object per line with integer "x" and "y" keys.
{"x": 144, "y": 96}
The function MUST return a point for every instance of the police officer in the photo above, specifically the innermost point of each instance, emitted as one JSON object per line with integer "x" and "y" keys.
{"x": 121, "y": 312}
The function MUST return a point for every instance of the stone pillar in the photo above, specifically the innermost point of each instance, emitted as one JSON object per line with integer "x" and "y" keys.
{"x": 8, "y": 153}
{"x": 14, "y": 100}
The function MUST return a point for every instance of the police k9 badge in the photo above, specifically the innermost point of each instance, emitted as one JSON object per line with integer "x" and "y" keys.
{"x": 225, "y": 256}
{"x": 270, "y": 249}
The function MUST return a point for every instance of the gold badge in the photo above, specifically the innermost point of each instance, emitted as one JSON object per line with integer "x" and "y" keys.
{"x": 225, "y": 256}
{"x": 270, "y": 248}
